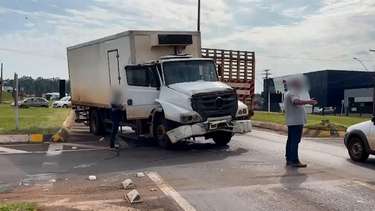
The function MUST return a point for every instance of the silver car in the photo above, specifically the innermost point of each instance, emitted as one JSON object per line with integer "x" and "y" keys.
{"x": 33, "y": 102}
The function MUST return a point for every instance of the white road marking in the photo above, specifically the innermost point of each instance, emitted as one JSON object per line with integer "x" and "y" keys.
{"x": 85, "y": 146}
{"x": 55, "y": 149}
{"x": 170, "y": 191}
{"x": 11, "y": 151}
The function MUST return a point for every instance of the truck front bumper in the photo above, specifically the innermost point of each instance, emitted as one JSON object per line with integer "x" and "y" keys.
{"x": 201, "y": 129}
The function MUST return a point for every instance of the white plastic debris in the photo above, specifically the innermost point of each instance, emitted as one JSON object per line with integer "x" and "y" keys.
{"x": 52, "y": 180}
{"x": 134, "y": 197}
{"x": 74, "y": 148}
{"x": 101, "y": 139}
{"x": 153, "y": 189}
{"x": 128, "y": 184}
{"x": 92, "y": 178}
{"x": 140, "y": 174}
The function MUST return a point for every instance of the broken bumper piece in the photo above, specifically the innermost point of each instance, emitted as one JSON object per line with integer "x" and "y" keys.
{"x": 200, "y": 129}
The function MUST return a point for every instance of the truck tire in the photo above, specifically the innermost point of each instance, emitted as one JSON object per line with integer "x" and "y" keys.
{"x": 357, "y": 150}
{"x": 96, "y": 124}
{"x": 222, "y": 138}
{"x": 161, "y": 128}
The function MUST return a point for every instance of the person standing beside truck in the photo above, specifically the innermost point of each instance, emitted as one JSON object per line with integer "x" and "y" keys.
{"x": 116, "y": 112}
{"x": 296, "y": 118}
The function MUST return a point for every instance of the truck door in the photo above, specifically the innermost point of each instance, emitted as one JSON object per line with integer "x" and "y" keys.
{"x": 143, "y": 88}
{"x": 114, "y": 68}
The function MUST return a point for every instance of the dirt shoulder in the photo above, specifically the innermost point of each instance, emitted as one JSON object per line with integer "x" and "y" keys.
{"x": 105, "y": 193}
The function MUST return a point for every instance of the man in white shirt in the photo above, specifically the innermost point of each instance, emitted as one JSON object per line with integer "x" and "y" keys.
{"x": 295, "y": 115}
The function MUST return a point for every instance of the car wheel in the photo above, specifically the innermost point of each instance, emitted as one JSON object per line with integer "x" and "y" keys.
{"x": 357, "y": 150}
{"x": 161, "y": 128}
{"x": 222, "y": 138}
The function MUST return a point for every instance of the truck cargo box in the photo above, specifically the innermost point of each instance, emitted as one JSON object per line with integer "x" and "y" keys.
{"x": 97, "y": 67}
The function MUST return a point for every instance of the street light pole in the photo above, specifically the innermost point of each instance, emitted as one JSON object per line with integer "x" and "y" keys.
{"x": 199, "y": 16}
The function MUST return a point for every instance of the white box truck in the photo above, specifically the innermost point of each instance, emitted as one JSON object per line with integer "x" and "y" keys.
{"x": 170, "y": 92}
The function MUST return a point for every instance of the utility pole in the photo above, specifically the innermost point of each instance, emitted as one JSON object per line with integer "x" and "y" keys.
{"x": 1, "y": 83}
{"x": 16, "y": 100}
{"x": 199, "y": 16}
{"x": 373, "y": 93}
{"x": 267, "y": 75}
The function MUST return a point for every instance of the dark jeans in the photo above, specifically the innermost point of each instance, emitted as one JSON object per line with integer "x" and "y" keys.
{"x": 116, "y": 118}
{"x": 294, "y": 137}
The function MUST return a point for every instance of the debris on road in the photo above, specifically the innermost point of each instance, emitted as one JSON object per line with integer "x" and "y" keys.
{"x": 74, "y": 148}
{"x": 92, "y": 178}
{"x": 101, "y": 139}
{"x": 52, "y": 180}
{"x": 140, "y": 174}
{"x": 134, "y": 197}
{"x": 128, "y": 184}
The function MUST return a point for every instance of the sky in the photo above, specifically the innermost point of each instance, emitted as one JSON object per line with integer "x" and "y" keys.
{"x": 288, "y": 36}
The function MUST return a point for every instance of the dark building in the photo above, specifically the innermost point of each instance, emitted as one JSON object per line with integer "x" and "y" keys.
{"x": 328, "y": 87}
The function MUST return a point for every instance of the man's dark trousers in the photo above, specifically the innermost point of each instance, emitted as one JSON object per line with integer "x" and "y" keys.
{"x": 116, "y": 118}
{"x": 294, "y": 137}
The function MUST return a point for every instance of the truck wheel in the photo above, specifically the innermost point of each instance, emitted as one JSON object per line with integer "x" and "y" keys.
{"x": 161, "y": 128}
{"x": 222, "y": 138}
{"x": 357, "y": 150}
{"x": 96, "y": 126}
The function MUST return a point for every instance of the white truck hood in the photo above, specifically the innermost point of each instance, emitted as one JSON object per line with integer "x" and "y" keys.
{"x": 192, "y": 88}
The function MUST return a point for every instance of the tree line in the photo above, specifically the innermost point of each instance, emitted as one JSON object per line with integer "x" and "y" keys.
{"x": 38, "y": 86}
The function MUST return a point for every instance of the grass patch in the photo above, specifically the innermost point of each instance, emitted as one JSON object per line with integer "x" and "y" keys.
{"x": 313, "y": 121}
{"x": 32, "y": 120}
{"x": 22, "y": 206}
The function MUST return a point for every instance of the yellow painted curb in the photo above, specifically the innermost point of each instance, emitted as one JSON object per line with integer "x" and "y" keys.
{"x": 36, "y": 138}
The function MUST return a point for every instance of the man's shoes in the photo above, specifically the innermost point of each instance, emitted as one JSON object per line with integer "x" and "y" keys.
{"x": 117, "y": 146}
{"x": 296, "y": 164}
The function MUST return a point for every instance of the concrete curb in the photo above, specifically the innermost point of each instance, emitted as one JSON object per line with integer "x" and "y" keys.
{"x": 306, "y": 131}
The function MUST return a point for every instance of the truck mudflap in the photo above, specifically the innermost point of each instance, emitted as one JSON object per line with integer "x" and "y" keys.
{"x": 200, "y": 129}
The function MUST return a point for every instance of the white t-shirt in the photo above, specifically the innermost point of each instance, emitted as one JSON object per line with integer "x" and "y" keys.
{"x": 294, "y": 114}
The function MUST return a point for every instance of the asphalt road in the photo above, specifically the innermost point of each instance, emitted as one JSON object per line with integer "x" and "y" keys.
{"x": 250, "y": 174}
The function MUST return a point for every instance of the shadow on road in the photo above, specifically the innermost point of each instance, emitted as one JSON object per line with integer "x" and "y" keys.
{"x": 293, "y": 178}
{"x": 370, "y": 163}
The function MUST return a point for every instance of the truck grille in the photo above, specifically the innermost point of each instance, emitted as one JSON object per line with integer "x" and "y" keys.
{"x": 215, "y": 104}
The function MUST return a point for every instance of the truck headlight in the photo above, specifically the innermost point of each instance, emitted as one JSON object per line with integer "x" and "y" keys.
{"x": 192, "y": 117}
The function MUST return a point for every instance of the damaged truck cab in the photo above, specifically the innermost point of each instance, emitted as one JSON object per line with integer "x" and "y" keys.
{"x": 192, "y": 103}
{"x": 170, "y": 93}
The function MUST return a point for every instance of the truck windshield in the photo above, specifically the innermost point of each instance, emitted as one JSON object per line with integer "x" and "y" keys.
{"x": 189, "y": 71}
